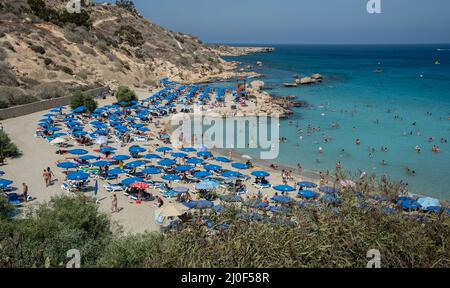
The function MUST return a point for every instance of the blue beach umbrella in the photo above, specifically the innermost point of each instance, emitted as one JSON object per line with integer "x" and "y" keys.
{"x": 78, "y": 176}
{"x": 136, "y": 149}
{"x": 179, "y": 155}
{"x": 183, "y": 168}
{"x": 207, "y": 185}
{"x": 132, "y": 180}
{"x": 151, "y": 171}
{"x": 163, "y": 149}
{"x": 152, "y": 156}
{"x": 231, "y": 174}
{"x": 101, "y": 163}
{"x": 203, "y": 204}
{"x": 284, "y": 188}
{"x": 5, "y": 182}
{"x": 307, "y": 194}
{"x": 330, "y": 198}
{"x": 135, "y": 164}
{"x": 166, "y": 162}
{"x": 279, "y": 209}
{"x": 426, "y": 202}
{"x": 188, "y": 149}
{"x": 194, "y": 161}
{"x": 223, "y": 159}
{"x": 204, "y": 154}
{"x": 328, "y": 190}
{"x": 239, "y": 166}
{"x": 281, "y": 199}
{"x": 107, "y": 150}
{"x": 212, "y": 167}
{"x": 261, "y": 174}
{"x": 2, "y": 173}
{"x": 88, "y": 157}
{"x": 67, "y": 165}
{"x": 78, "y": 152}
{"x": 115, "y": 171}
{"x": 202, "y": 174}
{"x": 80, "y": 109}
{"x": 121, "y": 157}
{"x": 307, "y": 184}
{"x": 171, "y": 177}
{"x": 79, "y": 133}
{"x": 408, "y": 204}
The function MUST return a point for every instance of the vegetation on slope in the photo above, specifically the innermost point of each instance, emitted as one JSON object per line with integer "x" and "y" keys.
{"x": 308, "y": 237}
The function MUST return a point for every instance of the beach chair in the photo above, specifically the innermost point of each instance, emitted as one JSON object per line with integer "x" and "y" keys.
{"x": 66, "y": 187}
{"x": 140, "y": 139}
{"x": 262, "y": 185}
{"x": 114, "y": 187}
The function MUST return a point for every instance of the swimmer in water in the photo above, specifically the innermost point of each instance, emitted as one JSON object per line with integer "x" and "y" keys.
{"x": 358, "y": 142}
{"x": 383, "y": 162}
{"x": 320, "y": 150}
{"x": 418, "y": 149}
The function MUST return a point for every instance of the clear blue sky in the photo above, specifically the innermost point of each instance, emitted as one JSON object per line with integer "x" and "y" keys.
{"x": 303, "y": 21}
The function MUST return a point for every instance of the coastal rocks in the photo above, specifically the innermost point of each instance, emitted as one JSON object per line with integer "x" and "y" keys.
{"x": 315, "y": 78}
{"x": 258, "y": 85}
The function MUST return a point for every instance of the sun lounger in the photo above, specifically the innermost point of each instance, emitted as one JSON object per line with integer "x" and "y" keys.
{"x": 262, "y": 186}
{"x": 114, "y": 187}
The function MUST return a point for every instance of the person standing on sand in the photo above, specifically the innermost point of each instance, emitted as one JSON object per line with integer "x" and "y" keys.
{"x": 50, "y": 175}
{"x": 25, "y": 192}
{"x": 46, "y": 177}
{"x": 114, "y": 208}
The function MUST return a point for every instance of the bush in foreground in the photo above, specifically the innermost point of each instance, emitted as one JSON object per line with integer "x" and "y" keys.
{"x": 43, "y": 239}
{"x": 321, "y": 237}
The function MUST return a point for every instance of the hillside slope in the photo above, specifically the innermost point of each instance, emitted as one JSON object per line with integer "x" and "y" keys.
{"x": 108, "y": 45}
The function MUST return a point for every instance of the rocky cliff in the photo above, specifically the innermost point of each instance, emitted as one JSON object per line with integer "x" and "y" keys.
{"x": 41, "y": 42}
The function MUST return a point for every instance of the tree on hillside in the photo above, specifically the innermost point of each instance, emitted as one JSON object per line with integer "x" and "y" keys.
{"x": 125, "y": 94}
{"x": 127, "y": 4}
{"x": 79, "y": 99}
{"x": 7, "y": 148}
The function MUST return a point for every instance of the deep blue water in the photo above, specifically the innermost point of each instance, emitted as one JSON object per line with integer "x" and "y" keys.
{"x": 352, "y": 95}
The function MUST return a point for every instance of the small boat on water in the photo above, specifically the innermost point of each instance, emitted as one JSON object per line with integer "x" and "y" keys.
{"x": 290, "y": 84}
{"x": 437, "y": 62}
{"x": 259, "y": 64}
{"x": 378, "y": 70}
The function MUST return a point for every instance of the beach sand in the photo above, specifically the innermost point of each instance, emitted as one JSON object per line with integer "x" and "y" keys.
{"x": 133, "y": 217}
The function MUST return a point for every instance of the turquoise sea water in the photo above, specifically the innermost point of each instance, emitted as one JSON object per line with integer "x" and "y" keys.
{"x": 352, "y": 95}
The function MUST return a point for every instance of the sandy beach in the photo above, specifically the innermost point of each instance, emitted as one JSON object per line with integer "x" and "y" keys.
{"x": 133, "y": 217}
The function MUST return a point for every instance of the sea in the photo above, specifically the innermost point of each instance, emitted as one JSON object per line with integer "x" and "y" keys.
{"x": 392, "y": 98}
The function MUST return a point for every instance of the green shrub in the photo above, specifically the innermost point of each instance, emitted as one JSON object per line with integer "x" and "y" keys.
{"x": 80, "y": 99}
{"x": 7, "y": 148}
{"x": 131, "y": 36}
{"x": 127, "y": 4}
{"x": 60, "y": 18}
{"x": 125, "y": 94}
{"x": 38, "y": 49}
{"x": 48, "y": 61}
{"x": 66, "y": 70}
{"x": 43, "y": 239}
